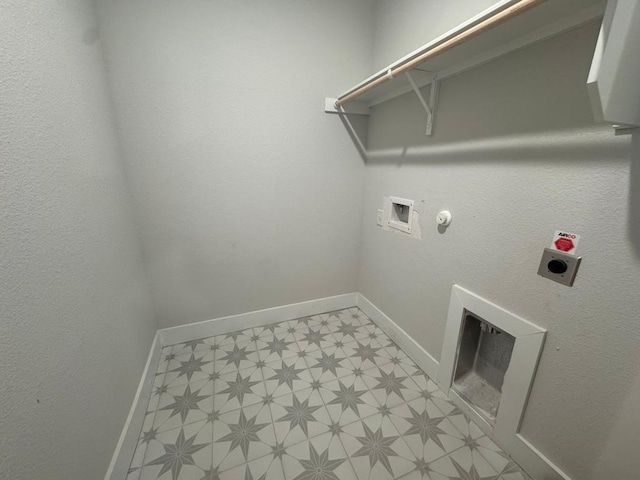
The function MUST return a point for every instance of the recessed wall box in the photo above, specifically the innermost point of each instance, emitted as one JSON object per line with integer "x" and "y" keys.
{"x": 401, "y": 214}
{"x": 484, "y": 354}
{"x": 488, "y": 363}
{"x": 559, "y": 266}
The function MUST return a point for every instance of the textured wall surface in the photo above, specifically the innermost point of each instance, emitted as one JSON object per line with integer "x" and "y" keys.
{"x": 248, "y": 195}
{"x": 620, "y": 457}
{"x": 75, "y": 309}
{"x": 515, "y": 156}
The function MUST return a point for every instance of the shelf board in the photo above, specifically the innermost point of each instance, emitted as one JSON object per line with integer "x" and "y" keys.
{"x": 543, "y": 21}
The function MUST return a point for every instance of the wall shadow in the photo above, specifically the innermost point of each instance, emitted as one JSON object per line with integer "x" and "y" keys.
{"x": 357, "y": 127}
{"x": 589, "y": 144}
{"x": 634, "y": 194}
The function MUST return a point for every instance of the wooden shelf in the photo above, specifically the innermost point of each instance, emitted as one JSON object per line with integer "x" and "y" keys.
{"x": 542, "y": 21}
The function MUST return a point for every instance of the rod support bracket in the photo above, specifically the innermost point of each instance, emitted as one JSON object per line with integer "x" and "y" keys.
{"x": 430, "y": 104}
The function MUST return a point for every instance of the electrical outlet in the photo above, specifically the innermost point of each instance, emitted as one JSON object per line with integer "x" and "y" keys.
{"x": 559, "y": 266}
{"x": 379, "y": 221}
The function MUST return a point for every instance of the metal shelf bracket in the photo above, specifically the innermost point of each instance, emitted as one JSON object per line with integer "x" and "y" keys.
{"x": 430, "y": 105}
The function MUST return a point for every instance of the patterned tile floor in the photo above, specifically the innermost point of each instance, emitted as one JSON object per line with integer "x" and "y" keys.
{"x": 328, "y": 397}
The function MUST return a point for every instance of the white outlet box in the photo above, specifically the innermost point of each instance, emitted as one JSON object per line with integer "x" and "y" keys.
{"x": 401, "y": 214}
{"x": 379, "y": 221}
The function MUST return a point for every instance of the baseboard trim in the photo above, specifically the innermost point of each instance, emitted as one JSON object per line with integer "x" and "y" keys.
{"x": 220, "y": 326}
{"x": 121, "y": 459}
{"x": 534, "y": 462}
{"x": 119, "y": 466}
{"x": 412, "y": 348}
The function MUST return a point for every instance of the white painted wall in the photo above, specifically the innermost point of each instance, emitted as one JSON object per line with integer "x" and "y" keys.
{"x": 75, "y": 310}
{"x": 248, "y": 195}
{"x": 515, "y": 156}
{"x": 619, "y": 458}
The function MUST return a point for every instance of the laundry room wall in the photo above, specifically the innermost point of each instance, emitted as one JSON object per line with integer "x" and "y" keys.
{"x": 247, "y": 194}
{"x": 76, "y": 319}
{"x": 515, "y": 155}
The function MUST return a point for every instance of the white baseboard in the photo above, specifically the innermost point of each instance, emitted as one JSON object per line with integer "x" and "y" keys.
{"x": 534, "y": 462}
{"x": 524, "y": 453}
{"x": 126, "y": 446}
{"x": 418, "y": 354}
{"x": 219, "y": 326}
{"x": 124, "y": 451}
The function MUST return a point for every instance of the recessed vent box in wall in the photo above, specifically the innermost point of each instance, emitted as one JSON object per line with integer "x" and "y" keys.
{"x": 488, "y": 362}
{"x": 401, "y": 214}
{"x": 484, "y": 354}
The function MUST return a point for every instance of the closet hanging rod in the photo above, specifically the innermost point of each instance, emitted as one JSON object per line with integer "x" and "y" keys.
{"x": 481, "y": 27}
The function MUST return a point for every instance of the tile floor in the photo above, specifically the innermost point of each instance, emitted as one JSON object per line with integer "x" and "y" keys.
{"x": 328, "y": 397}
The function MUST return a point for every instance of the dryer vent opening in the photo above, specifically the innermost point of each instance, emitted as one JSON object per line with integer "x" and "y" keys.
{"x": 482, "y": 362}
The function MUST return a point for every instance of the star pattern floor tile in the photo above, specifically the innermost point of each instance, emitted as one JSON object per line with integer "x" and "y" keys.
{"x": 326, "y": 397}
